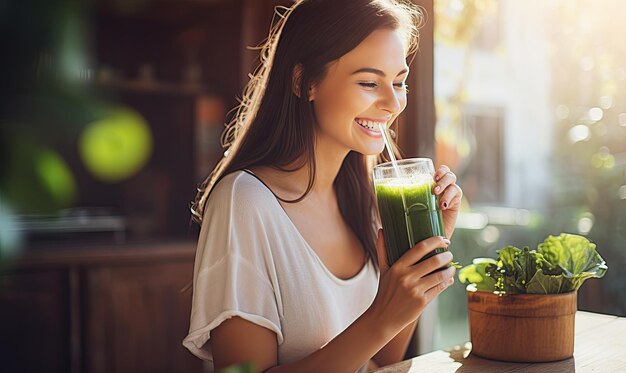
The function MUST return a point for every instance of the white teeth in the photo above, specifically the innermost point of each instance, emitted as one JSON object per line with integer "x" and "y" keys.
{"x": 373, "y": 126}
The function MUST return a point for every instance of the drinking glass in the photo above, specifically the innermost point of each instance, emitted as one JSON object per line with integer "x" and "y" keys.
{"x": 409, "y": 210}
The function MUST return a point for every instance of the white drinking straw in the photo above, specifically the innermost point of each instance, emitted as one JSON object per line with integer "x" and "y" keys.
{"x": 392, "y": 156}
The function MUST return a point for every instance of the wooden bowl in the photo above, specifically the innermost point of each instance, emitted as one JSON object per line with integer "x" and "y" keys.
{"x": 521, "y": 327}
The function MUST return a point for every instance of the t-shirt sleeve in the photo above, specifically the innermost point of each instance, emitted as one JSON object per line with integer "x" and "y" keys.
{"x": 233, "y": 271}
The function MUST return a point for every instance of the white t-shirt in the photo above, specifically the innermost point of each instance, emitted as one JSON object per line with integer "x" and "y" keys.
{"x": 252, "y": 262}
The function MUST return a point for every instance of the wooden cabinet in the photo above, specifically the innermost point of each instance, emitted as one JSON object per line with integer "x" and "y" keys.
{"x": 136, "y": 317}
{"x": 122, "y": 309}
{"x": 34, "y": 327}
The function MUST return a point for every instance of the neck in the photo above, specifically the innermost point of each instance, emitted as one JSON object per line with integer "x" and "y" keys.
{"x": 328, "y": 160}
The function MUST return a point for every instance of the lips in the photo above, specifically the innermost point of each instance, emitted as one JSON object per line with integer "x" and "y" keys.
{"x": 368, "y": 131}
{"x": 372, "y": 125}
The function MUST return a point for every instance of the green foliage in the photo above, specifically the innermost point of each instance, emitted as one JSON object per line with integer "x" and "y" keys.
{"x": 476, "y": 273}
{"x": 559, "y": 265}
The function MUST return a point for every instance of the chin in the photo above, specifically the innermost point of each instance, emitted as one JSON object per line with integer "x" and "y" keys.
{"x": 371, "y": 150}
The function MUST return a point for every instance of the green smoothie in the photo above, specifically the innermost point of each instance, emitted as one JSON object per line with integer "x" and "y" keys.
{"x": 409, "y": 212}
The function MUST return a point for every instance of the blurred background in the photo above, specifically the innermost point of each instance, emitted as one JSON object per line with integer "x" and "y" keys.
{"x": 531, "y": 114}
{"x": 111, "y": 114}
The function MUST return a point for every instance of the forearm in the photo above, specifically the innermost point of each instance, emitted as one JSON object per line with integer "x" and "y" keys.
{"x": 395, "y": 350}
{"x": 348, "y": 351}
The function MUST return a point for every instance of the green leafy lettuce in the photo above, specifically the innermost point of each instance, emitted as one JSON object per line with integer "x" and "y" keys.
{"x": 559, "y": 265}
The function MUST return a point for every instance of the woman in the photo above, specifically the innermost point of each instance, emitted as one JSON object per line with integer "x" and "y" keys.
{"x": 290, "y": 272}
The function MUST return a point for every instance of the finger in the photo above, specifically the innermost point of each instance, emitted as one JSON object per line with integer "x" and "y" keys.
{"x": 435, "y": 278}
{"x": 383, "y": 264}
{"x": 442, "y": 170}
{"x": 449, "y": 195}
{"x": 444, "y": 181}
{"x": 433, "y": 292}
{"x": 435, "y": 262}
{"x": 417, "y": 252}
{"x": 455, "y": 204}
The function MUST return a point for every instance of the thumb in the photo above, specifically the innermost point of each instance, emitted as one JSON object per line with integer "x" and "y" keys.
{"x": 382, "y": 252}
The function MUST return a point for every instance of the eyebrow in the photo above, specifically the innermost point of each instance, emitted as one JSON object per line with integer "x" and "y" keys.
{"x": 375, "y": 71}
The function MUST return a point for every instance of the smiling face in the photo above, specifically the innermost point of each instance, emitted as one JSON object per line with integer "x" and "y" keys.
{"x": 360, "y": 90}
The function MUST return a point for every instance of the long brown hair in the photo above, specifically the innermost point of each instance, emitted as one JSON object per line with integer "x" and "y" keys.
{"x": 274, "y": 126}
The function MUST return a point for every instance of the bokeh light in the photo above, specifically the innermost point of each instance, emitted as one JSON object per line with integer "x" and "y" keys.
{"x": 606, "y": 102}
{"x": 603, "y": 159}
{"x": 56, "y": 176}
{"x": 472, "y": 220}
{"x": 596, "y": 114}
{"x": 585, "y": 223}
{"x": 562, "y": 112}
{"x": 117, "y": 146}
{"x": 38, "y": 180}
{"x": 10, "y": 238}
{"x": 490, "y": 235}
{"x": 579, "y": 132}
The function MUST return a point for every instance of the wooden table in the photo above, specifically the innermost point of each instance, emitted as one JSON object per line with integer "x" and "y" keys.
{"x": 600, "y": 346}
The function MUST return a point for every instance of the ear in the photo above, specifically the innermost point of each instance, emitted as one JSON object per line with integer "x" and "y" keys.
{"x": 312, "y": 91}
{"x": 296, "y": 81}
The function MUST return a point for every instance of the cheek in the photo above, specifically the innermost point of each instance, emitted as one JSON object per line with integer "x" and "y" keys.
{"x": 339, "y": 104}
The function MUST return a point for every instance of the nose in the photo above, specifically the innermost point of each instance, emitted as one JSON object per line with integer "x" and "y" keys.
{"x": 391, "y": 100}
